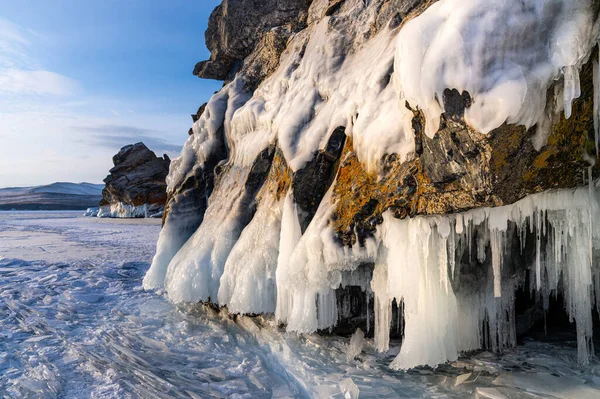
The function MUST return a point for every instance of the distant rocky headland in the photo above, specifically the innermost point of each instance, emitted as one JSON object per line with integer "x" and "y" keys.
{"x": 136, "y": 185}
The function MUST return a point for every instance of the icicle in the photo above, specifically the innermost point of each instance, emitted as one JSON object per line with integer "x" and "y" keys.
{"x": 444, "y": 230}
{"x": 439, "y": 323}
{"x": 597, "y": 289}
{"x": 497, "y": 254}
{"x": 290, "y": 235}
{"x": 590, "y": 218}
{"x": 452, "y": 253}
{"x": 326, "y": 309}
{"x": 368, "y": 314}
{"x": 572, "y": 88}
{"x": 383, "y": 308}
{"x": 469, "y": 236}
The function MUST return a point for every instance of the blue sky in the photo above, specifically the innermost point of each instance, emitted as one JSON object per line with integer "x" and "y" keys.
{"x": 80, "y": 79}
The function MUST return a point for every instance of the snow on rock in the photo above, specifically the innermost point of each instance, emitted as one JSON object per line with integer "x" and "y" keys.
{"x": 246, "y": 249}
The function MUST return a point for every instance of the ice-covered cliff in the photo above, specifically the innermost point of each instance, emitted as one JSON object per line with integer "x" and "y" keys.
{"x": 432, "y": 160}
{"x": 136, "y": 184}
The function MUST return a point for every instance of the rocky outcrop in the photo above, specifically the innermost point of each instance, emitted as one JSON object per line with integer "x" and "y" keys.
{"x": 136, "y": 184}
{"x": 356, "y": 160}
{"x": 249, "y": 35}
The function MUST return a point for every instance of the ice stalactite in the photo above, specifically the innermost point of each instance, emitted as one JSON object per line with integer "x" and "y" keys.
{"x": 572, "y": 88}
{"x": 415, "y": 265}
{"x": 383, "y": 308}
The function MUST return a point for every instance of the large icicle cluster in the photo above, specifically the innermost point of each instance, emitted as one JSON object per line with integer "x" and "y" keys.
{"x": 425, "y": 259}
{"x": 254, "y": 257}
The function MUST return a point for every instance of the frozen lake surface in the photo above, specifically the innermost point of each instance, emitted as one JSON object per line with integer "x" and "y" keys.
{"x": 75, "y": 323}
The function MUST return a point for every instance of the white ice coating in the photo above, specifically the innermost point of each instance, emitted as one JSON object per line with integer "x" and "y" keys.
{"x": 479, "y": 46}
{"x": 311, "y": 270}
{"x": 334, "y": 73}
{"x": 248, "y": 281}
{"x": 195, "y": 271}
{"x": 206, "y": 139}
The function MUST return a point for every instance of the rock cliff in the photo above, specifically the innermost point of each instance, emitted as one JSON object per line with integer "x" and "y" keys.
{"x": 136, "y": 184}
{"x": 400, "y": 154}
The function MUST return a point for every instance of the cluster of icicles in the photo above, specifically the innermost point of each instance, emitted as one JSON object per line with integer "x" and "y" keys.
{"x": 426, "y": 264}
{"x": 423, "y": 264}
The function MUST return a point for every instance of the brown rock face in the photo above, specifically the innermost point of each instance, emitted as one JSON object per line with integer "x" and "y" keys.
{"x": 460, "y": 169}
{"x": 137, "y": 178}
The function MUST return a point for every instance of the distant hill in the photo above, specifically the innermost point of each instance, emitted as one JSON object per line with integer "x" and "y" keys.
{"x": 55, "y": 196}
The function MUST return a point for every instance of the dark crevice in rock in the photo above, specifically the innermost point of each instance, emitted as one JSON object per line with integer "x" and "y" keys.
{"x": 257, "y": 177}
{"x": 187, "y": 203}
{"x": 310, "y": 183}
{"x": 333, "y": 7}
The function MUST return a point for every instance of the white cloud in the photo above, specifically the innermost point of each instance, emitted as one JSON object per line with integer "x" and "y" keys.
{"x": 16, "y": 81}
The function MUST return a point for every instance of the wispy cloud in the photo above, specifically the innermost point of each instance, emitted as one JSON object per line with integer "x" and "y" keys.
{"x": 19, "y": 81}
{"x": 117, "y": 136}
{"x": 12, "y": 44}
{"x": 20, "y": 73}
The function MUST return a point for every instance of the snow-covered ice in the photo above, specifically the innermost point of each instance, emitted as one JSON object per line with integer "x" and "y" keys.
{"x": 75, "y": 323}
